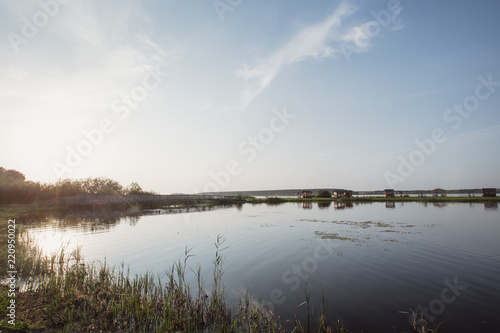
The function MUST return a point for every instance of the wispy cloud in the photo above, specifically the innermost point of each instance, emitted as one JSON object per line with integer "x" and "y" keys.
{"x": 317, "y": 41}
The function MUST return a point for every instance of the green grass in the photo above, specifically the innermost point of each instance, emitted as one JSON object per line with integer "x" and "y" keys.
{"x": 12, "y": 212}
{"x": 5, "y": 326}
{"x": 269, "y": 201}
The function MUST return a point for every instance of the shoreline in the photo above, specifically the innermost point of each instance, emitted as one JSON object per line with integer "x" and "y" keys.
{"x": 376, "y": 199}
{"x": 20, "y": 211}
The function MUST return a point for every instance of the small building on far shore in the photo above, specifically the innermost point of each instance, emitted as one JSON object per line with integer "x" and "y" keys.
{"x": 489, "y": 192}
{"x": 307, "y": 194}
{"x": 389, "y": 192}
{"x": 438, "y": 192}
{"x": 337, "y": 194}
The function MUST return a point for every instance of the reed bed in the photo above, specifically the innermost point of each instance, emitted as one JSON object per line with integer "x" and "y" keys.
{"x": 82, "y": 297}
{"x": 63, "y": 293}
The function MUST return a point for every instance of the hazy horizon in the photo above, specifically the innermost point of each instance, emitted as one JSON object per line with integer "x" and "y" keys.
{"x": 244, "y": 95}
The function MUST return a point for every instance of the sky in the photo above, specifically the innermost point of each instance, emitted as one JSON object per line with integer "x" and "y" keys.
{"x": 226, "y": 95}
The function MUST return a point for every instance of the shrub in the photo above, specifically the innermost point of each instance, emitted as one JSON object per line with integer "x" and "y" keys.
{"x": 324, "y": 194}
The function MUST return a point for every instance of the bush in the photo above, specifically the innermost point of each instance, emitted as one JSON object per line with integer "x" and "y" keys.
{"x": 324, "y": 194}
{"x": 14, "y": 189}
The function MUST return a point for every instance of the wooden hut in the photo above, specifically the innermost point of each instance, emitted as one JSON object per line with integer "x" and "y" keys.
{"x": 389, "y": 192}
{"x": 337, "y": 194}
{"x": 438, "y": 192}
{"x": 307, "y": 194}
{"x": 489, "y": 192}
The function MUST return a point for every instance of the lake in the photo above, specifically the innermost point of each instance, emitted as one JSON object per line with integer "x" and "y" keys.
{"x": 375, "y": 261}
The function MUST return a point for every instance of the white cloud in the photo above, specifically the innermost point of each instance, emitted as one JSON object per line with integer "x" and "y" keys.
{"x": 357, "y": 36}
{"x": 320, "y": 40}
{"x": 310, "y": 42}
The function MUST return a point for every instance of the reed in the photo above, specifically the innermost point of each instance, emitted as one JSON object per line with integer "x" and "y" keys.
{"x": 78, "y": 296}
{"x": 419, "y": 324}
{"x": 64, "y": 293}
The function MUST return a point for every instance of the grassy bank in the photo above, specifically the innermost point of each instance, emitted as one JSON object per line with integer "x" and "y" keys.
{"x": 13, "y": 212}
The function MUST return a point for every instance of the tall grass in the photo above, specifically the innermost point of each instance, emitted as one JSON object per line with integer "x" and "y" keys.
{"x": 78, "y": 296}
{"x": 82, "y": 297}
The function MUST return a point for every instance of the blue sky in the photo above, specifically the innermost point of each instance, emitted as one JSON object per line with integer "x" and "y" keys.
{"x": 185, "y": 96}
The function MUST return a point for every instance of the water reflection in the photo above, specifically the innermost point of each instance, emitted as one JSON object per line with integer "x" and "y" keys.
{"x": 490, "y": 205}
{"x": 324, "y": 204}
{"x": 307, "y": 205}
{"x": 440, "y": 204}
{"x": 86, "y": 221}
{"x": 104, "y": 220}
{"x": 342, "y": 205}
{"x": 390, "y": 204}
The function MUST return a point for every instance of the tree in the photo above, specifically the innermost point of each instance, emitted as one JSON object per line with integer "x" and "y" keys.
{"x": 324, "y": 194}
{"x": 12, "y": 174}
{"x": 68, "y": 188}
{"x": 15, "y": 189}
{"x": 102, "y": 186}
{"x": 16, "y": 175}
{"x": 134, "y": 188}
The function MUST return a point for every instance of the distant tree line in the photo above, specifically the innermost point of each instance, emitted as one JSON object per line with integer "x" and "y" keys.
{"x": 15, "y": 189}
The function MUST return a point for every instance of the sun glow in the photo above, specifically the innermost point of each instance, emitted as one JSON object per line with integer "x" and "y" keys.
{"x": 51, "y": 242}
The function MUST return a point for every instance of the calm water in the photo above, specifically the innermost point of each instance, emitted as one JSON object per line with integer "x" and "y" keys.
{"x": 374, "y": 261}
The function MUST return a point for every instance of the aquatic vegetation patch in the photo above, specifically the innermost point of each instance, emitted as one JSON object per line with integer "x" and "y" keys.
{"x": 328, "y": 235}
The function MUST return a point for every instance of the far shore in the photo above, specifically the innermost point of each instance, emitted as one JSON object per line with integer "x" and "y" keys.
{"x": 466, "y": 199}
{"x": 17, "y": 211}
